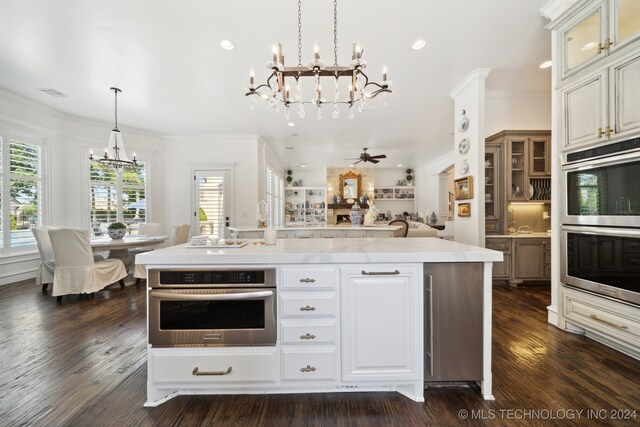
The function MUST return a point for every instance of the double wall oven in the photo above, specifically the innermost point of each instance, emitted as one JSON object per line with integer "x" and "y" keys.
{"x": 212, "y": 307}
{"x": 600, "y": 232}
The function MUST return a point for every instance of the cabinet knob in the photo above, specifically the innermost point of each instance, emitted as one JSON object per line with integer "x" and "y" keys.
{"x": 307, "y": 280}
{"x": 309, "y": 368}
{"x": 307, "y": 336}
{"x": 307, "y": 308}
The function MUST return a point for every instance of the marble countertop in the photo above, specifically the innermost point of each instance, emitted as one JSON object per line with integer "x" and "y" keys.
{"x": 382, "y": 227}
{"x": 330, "y": 251}
{"x": 536, "y": 234}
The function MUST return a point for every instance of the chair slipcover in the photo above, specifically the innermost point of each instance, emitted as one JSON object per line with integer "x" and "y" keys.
{"x": 48, "y": 264}
{"x": 76, "y": 272}
{"x": 152, "y": 228}
{"x": 146, "y": 229}
{"x": 179, "y": 235}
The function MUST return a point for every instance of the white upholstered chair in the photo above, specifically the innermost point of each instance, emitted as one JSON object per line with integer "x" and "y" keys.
{"x": 48, "y": 264}
{"x": 179, "y": 235}
{"x": 146, "y": 229}
{"x": 76, "y": 271}
{"x": 150, "y": 228}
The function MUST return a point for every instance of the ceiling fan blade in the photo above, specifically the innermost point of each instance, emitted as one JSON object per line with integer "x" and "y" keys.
{"x": 357, "y": 158}
{"x": 374, "y": 161}
{"x": 380, "y": 156}
{"x": 357, "y": 162}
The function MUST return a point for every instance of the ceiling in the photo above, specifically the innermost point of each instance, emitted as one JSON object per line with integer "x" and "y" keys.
{"x": 176, "y": 79}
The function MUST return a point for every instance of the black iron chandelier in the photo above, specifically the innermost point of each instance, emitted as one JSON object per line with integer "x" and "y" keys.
{"x": 118, "y": 159}
{"x": 276, "y": 90}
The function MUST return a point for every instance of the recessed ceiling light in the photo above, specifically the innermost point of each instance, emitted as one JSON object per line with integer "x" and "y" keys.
{"x": 350, "y": 166}
{"x": 400, "y": 165}
{"x": 291, "y": 124}
{"x": 288, "y": 148}
{"x": 303, "y": 166}
{"x": 418, "y": 44}
{"x": 545, "y": 64}
{"x": 227, "y": 45}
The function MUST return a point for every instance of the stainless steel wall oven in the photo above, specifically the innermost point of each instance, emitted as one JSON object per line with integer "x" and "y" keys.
{"x": 212, "y": 307}
{"x": 600, "y": 232}
{"x": 603, "y": 186}
{"x": 602, "y": 260}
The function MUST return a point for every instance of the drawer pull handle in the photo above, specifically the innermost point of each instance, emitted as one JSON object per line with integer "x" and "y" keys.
{"x": 307, "y": 336}
{"x": 380, "y": 273}
{"x": 197, "y": 372}
{"x": 594, "y": 317}
{"x": 307, "y": 280}
{"x": 309, "y": 368}
{"x": 307, "y": 308}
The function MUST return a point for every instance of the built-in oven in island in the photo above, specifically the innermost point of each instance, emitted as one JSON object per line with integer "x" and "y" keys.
{"x": 212, "y": 307}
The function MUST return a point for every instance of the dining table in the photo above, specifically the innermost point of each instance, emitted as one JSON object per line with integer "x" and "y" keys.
{"x": 122, "y": 248}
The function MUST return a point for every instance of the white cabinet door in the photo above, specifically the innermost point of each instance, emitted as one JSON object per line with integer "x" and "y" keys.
{"x": 585, "y": 111}
{"x": 381, "y": 323}
{"x": 625, "y": 102}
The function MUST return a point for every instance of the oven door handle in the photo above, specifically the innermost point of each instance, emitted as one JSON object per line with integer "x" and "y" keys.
{"x": 212, "y": 297}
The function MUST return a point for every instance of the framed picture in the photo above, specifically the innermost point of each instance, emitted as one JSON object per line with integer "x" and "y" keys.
{"x": 464, "y": 188}
{"x": 464, "y": 209}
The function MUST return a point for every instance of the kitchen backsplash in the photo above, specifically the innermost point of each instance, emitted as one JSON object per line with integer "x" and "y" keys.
{"x": 530, "y": 214}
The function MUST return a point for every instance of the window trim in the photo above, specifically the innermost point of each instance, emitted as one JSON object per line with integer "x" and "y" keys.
{"x": 8, "y": 133}
{"x": 143, "y": 156}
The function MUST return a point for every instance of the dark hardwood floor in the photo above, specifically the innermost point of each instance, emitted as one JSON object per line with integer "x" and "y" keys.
{"x": 83, "y": 363}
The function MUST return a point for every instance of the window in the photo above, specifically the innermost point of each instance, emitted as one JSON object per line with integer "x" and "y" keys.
{"x": 275, "y": 202}
{"x": 20, "y": 190}
{"x": 117, "y": 196}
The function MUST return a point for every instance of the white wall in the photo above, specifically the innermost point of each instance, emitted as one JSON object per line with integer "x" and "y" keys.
{"x": 469, "y": 97}
{"x": 518, "y": 111}
{"x": 67, "y": 143}
{"x": 242, "y": 154}
{"x": 428, "y": 183}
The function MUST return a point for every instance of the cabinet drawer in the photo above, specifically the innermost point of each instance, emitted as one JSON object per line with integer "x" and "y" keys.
{"x": 313, "y": 305}
{"x": 497, "y": 244}
{"x": 258, "y": 366}
{"x": 608, "y": 317}
{"x": 308, "y": 278}
{"x": 309, "y": 365}
{"x": 307, "y": 333}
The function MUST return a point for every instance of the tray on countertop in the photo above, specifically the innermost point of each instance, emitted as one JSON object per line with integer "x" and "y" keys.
{"x": 229, "y": 243}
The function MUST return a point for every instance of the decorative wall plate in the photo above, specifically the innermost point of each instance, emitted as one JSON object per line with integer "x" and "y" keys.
{"x": 464, "y": 124}
{"x": 463, "y": 146}
{"x": 464, "y": 168}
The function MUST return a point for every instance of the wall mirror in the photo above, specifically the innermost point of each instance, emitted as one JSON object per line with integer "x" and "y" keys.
{"x": 350, "y": 184}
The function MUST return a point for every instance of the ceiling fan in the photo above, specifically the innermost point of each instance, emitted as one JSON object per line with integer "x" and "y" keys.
{"x": 366, "y": 157}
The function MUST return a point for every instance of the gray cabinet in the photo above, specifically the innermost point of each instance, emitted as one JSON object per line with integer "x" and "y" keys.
{"x": 528, "y": 262}
{"x": 501, "y": 270}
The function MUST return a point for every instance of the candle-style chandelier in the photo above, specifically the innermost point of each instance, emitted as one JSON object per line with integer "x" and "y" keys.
{"x": 277, "y": 91}
{"x": 118, "y": 159}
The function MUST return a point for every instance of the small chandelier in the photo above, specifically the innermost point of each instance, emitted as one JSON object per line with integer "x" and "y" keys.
{"x": 119, "y": 157}
{"x": 276, "y": 90}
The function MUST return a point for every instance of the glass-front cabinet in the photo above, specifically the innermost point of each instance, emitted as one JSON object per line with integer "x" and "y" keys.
{"x": 539, "y": 164}
{"x": 600, "y": 28}
{"x": 492, "y": 196}
{"x": 517, "y": 180}
{"x": 583, "y": 41}
{"x": 625, "y": 21}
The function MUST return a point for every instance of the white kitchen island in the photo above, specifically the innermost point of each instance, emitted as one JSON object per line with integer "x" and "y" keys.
{"x": 350, "y": 317}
